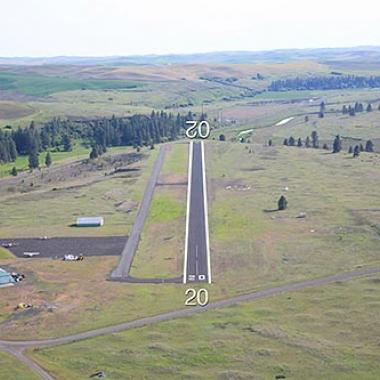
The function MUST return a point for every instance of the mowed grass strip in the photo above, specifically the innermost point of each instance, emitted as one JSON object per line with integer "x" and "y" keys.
{"x": 328, "y": 332}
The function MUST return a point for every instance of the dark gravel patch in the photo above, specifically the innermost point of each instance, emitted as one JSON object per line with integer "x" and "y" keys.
{"x": 58, "y": 247}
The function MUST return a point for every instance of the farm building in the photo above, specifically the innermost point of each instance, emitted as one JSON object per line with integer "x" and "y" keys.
{"x": 90, "y": 222}
{"x": 6, "y": 278}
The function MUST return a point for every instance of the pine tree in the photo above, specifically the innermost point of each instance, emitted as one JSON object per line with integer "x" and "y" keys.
{"x": 361, "y": 147}
{"x": 94, "y": 153}
{"x": 14, "y": 171}
{"x": 48, "y": 160}
{"x": 350, "y": 150}
{"x": 369, "y": 107}
{"x": 344, "y": 110}
{"x": 306, "y": 119}
{"x": 369, "y": 146}
{"x": 299, "y": 142}
{"x": 314, "y": 139}
{"x": 307, "y": 142}
{"x": 282, "y": 203}
{"x": 337, "y": 144}
{"x": 34, "y": 161}
{"x": 325, "y": 147}
{"x": 356, "y": 151}
{"x": 286, "y": 142}
{"x": 66, "y": 141}
{"x": 292, "y": 141}
{"x": 222, "y": 138}
{"x": 270, "y": 142}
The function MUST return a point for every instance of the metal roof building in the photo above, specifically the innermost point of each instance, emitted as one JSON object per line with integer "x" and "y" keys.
{"x": 97, "y": 221}
{"x": 6, "y": 278}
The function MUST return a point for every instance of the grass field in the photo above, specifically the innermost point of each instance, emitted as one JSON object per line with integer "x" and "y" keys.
{"x": 22, "y": 163}
{"x": 328, "y": 332}
{"x": 11, "y": 368}
{"x": 5, "y": 254}
{"x": 30, "y": 214}
{"x": 252, "y": 247}
{"x": 40, "y": 85}
{"x": 161, "y": 248}
{"x": 251, "y": 243}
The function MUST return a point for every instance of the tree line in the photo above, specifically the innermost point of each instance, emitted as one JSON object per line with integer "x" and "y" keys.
{"x": 357, "y": 108}
{"x": 313, "y": 142}
{"x": 57, "y": 134}
{"x": 325, "y": 83}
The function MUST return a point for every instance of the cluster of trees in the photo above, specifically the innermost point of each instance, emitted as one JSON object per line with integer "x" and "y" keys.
{"x": 310, "y": 142}
{"x": 337, "y": 147}
{"x": 137, "y": 130}
{"x": 360, "y": 148}
{"x": 313, "y": 142}
{"x": 357, "y": 107}
{"x": 325, "y": 83}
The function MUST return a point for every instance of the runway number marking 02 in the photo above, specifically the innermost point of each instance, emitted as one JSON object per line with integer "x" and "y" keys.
{"x": 196, "y": 298}
{"x": 200, "y": 129}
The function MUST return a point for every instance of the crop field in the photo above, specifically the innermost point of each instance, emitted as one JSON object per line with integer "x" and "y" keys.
{"x": 314, "y": 333}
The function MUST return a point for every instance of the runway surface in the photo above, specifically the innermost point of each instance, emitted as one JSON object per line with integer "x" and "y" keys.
{"x": 197, "y": 255}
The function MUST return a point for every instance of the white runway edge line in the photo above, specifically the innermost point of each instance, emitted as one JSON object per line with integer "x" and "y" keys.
{"x": 189, "y": 173}
{"x": 206, "y": 212}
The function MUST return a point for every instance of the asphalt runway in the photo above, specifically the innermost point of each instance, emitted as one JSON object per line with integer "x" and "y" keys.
{"x": 197, "y": 249}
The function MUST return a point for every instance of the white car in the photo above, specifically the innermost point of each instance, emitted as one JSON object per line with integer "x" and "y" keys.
{"x": 70, "y": 257}
{"x": 31, "y": 254}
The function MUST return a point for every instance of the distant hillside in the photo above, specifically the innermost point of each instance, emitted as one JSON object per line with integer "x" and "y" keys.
{"x": 360, "y": 57}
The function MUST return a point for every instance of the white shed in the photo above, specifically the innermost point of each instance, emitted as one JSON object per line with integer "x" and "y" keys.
{"x": 96, "y": 221}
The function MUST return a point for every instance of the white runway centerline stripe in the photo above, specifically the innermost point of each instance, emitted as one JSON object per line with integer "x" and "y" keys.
{"x": 189, "y": 173}
{"x": 206, "y": 213}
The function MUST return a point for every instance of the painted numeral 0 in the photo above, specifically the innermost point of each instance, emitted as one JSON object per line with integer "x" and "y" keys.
{"x": 196, "y": 298}
{"x": 200, "y": 129}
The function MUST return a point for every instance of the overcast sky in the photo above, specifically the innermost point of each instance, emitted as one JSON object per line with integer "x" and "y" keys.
{"x": 127, "y": 27}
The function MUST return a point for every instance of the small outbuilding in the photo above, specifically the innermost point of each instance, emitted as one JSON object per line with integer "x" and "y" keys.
{"x": 96, "y": 221}
{"x": 6, "y": 279}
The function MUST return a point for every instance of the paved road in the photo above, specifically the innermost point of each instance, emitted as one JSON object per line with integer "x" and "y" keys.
{"x": 16, "y": 347}
{"x": 197, "y": 246}
{"x": 130, "y": 248}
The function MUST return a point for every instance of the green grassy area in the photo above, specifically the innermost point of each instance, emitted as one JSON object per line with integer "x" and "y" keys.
{"x": 251, "y": 243}
{"x": 5, "y": 254}
{"x": 11, "y": 368}
{"x": 176, "y": 160}
{"x": 22, "y": 162}
{"x": 40, "y": 85}
{"x": 328, "y": 332}
{"x": 161, "y": 248}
